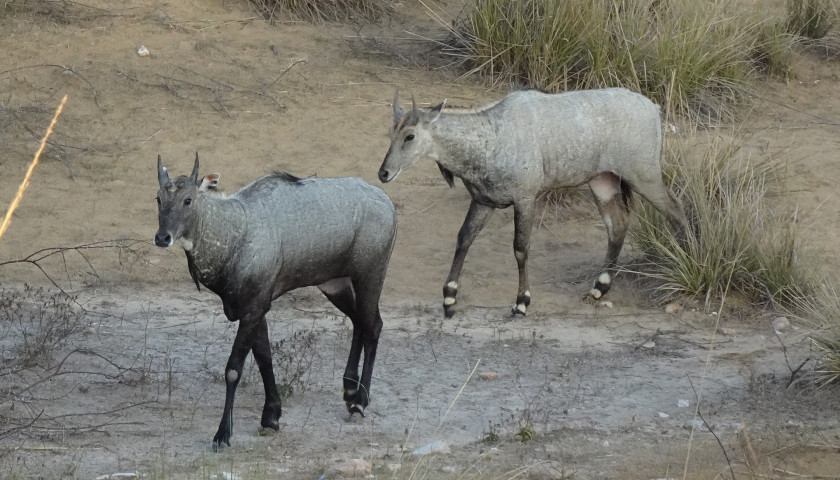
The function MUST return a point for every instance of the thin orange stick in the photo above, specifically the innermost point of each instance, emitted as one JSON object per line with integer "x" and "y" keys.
{"x": 25, "y": 183}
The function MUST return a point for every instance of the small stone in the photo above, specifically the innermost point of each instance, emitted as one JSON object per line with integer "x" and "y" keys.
{"x": 683, "y": 403}
{"x": 673, "y": 308}
{"x": 780, "y": 323}
{"x": 354, "y": 468}
{"x": 448, "y": 469}
{"x": 649, "y": 344}
{"x": 143, "y": 51}
{"x": 606, "y": 304}
{"x": 488, "y": 376}
{"x": 547, "y": 471}
{"x": 663, "y": 415}
{"x": 726, "y": 331}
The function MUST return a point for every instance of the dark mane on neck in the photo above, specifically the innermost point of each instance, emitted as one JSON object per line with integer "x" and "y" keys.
{"x": 287, "y": 177}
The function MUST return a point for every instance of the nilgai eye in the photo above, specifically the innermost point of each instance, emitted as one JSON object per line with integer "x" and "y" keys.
{"x": 409, "y": 137}
{"x": 187, "y": 202}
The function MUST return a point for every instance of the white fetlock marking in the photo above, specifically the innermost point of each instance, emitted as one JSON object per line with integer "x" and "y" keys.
{"x": 452, "y": 284}
{"x": 357, "y": 408}
{"x": 604, "y": 278}
{"x": 521, "y": 308}
{"x": 352, "y": 391}
{"x": 231, "y": 375}
{"x": 527, "y": 293}
{"x": 595, "y": 293}
{"x": 449, "y": 301}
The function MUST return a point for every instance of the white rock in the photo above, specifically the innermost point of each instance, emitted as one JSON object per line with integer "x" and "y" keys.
{"x": 119, "y": 475}
{"x": 663, "y": 415}
{"x": 780, "y": 323}
{"x": 683, "y": 403}
{"x": 673, "y": 308}
{"x": 649, "y": 344}
{"x": 606, "y": 304}
{"x": 143, "y": 51}
{"x": 448, "y": 469}
{"x": 438, "y": 446}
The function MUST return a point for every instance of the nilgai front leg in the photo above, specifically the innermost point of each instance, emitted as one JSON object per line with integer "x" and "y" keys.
{"x": 476, "y": 219}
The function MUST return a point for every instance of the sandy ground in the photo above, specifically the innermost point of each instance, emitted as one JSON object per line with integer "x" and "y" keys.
{"x": 603, "y": 389}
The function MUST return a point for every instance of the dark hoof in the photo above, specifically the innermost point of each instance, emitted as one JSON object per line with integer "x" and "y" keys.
{"x": 219, "y": 445}
{"x": 600, "y": 288}
{"x": 448, "y": 311}
{"x": 356, "y": 408}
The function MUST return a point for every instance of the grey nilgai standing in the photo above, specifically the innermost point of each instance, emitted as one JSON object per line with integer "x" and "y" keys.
{"x": 276, "y": 234}
{"x": 506, "y": 152}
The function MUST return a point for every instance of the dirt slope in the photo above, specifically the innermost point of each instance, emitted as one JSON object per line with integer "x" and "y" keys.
{"x": 144, "y": 389}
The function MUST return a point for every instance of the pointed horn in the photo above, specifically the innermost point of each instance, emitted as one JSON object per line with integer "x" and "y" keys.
{"x": 194, "y": 174}
{"x": 396, "y": 106}
{"x": 163, "y": 175}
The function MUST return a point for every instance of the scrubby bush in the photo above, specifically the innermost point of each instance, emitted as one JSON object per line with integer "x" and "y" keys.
{"x": 696, "y": 57}
{"x": 810, "y": 18}
{"x": 739, "y": 241}
{"x": 324, "y": 10}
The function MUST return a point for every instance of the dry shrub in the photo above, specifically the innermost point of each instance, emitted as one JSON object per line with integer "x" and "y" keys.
{"x": 324, "y": 10}
{"x": 697, "y": 57}
{"x": 740, "y": 242}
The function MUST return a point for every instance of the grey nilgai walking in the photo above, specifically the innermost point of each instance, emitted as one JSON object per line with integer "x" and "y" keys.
{"x": 276, "y": 234}
{"x": 506, "y": 152}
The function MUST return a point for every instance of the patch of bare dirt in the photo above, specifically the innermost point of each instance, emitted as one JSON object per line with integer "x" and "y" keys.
{"x": 604, "y": 392}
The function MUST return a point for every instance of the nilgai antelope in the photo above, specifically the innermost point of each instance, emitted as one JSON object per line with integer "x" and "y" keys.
{"x": 276, "y": 234}
{"x": 507, "y": 152}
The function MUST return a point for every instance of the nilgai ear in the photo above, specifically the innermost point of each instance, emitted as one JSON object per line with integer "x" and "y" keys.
{"x": 163, "y": 175}
{"x": 209, "y": 182}
{"x": 398, "y": 111}
{"x": 434, "y": 113}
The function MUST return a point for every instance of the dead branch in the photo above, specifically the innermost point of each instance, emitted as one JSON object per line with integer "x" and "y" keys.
{"x": 709, "y": 427}
{"x": 38, "y": 256}
{"x": 66, "y": 68}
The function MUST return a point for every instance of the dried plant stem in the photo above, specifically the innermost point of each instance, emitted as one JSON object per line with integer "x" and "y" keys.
{"x": 25, "y": 183}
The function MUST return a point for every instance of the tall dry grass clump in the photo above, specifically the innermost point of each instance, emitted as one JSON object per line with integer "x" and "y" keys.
{"x": 810, "y": 19}
{"x": 324, "y": 10}
{"x": 697, "y": 56}
{"x": 740, "y": 242}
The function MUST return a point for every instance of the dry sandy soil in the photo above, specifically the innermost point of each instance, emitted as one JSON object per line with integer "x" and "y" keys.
{"x": 141, "y": 386}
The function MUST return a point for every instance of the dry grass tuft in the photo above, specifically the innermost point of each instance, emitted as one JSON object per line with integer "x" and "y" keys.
{"x": 317, "y": 11}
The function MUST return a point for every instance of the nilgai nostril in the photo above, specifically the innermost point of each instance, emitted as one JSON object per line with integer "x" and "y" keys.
{"x": 276, "y": 234}
{"x": 506, "y": 152}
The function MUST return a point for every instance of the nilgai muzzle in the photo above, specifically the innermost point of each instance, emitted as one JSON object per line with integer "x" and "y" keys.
{"x": 276, "y": 234}
{"x": 507, "y": 152}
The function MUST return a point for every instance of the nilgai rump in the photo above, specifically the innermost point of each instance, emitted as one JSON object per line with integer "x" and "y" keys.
{"x": 506, "y": 152}
{"x": 276, "y": 234}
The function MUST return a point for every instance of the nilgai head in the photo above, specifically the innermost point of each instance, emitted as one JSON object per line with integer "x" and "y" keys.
{"x": 177, "y": 201}
{"x": 411, "y": 138}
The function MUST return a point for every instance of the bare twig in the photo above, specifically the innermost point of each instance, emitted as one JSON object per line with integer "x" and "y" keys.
{"x": 711, "y": 430}
{"x": 66, "y": 68}
{"x": 793, "y": 371}
{"x": 35, "y": 258}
